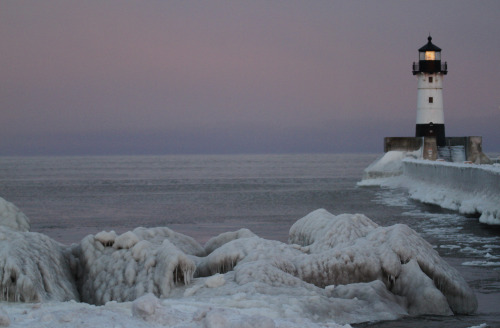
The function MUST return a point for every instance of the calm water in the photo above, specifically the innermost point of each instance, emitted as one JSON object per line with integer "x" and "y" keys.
{"x": 202, "y": 196}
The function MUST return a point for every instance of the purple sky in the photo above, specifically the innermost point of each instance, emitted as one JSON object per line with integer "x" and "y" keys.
{"x": 160, "y": 77}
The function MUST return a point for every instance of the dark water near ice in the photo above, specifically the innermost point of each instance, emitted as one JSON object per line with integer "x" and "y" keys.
{"x": 67, "y": 198}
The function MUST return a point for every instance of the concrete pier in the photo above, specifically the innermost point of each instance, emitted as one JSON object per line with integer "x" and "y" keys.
{"x": 456, "y": 149}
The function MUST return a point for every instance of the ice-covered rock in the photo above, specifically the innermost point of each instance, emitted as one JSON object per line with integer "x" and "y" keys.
{"x": 106, "y": 238}
{"x": 223, "y": 238}
{"x": 34, "y": 268}
{"x": 383, "y": 254}
{"x": 336, "y": 270}
{"x": 420, "y": 292}
{"x": 123, "y": 268}
{"x": 12, "y": 217}
{"x": 157, "y": 235}
{"x": 347, "y": 250}
{"x": 321, "y": 230}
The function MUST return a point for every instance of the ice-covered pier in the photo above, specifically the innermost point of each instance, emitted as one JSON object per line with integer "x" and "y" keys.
{"x": 471, "y": 189}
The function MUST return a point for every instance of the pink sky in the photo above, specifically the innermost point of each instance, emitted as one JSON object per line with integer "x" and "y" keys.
{"x": 130, "y": 77}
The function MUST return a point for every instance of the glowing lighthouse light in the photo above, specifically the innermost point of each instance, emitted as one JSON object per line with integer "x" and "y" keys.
{"x": 430, "y": 55}
{"x": 430, "y": 72}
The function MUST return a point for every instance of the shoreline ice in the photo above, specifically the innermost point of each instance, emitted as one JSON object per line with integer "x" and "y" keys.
{"x": 470, "y": 189}
{"x": 335, "y": 271}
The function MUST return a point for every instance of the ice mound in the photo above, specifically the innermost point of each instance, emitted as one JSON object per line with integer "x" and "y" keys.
{"x": 223, "y": 238}
{"x": 125, "y": 267}
{"x": 390, "y": 164}
{"x": 34, "y": 268}
{"x": 321, "y": 230}
{"x": 335, "y": 270}
{"x": 12, "y": 217}
{"x": 389, "y": 268}
{"x": 395, "y": 255}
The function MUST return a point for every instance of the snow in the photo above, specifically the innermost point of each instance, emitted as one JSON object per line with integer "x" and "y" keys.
{"x": 463, "y": 187}
{"x": 335, "y": 270}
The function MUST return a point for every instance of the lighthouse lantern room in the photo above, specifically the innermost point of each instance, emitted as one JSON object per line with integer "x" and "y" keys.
{"x": 430, "y": 72}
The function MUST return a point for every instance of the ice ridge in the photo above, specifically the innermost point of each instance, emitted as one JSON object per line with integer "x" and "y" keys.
{"x": 343, "y": 269}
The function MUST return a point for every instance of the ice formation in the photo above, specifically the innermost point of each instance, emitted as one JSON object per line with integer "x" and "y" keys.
{"x": 335, "y": 270}
{"x": 125, "y": 267}
{"x": 34, "y": 268}
{"x": 390, "y": 164}
{"x": 216, "y": 242}
{"x": 348, "y": 250}
{"x": 395, "y": 255}
{"x": 12, "y": 217}
{"x": 467, "y": 188}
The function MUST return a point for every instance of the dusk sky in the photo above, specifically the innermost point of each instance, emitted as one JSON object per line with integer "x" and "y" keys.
{"x": 169, "y": 77}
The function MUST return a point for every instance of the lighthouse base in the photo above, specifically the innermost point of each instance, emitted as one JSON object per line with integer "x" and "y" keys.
{"x": 432, "y": 130}
{"x": 457, "y": 149}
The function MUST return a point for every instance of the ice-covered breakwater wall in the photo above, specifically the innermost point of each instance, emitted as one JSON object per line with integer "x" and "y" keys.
{"x": 467, "y": 188}
{"x": 464, "y": 187}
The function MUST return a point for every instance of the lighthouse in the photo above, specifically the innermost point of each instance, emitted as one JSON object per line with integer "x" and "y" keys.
{"x": 430, "y": 142}
{"x": 430, "y": 72}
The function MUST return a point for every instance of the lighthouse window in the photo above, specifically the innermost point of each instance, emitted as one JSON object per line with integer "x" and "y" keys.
{"x": 431, "y": 100}
{"x": 430, "y": 79}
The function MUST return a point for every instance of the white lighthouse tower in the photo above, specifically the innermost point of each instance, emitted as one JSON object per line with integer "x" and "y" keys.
{"x": 430, "y": 72}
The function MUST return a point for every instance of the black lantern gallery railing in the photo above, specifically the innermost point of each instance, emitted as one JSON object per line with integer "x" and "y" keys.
{"x": 430, "y": 66}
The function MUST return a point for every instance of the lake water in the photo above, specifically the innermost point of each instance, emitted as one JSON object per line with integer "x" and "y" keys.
{"x": 67, "y": 198}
